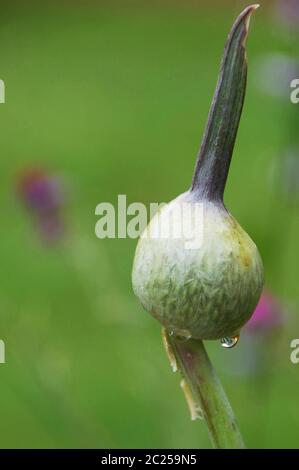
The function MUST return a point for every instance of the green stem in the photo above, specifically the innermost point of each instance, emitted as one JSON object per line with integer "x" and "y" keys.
{"x": 191, "y": 359}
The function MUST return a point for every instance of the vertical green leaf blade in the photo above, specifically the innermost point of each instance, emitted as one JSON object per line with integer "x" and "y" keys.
{"x": 220, "y": 134}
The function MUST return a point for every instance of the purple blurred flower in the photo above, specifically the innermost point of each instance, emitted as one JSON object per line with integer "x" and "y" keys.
{"x": 258, "y": 339}
{"x": 267, "y": 316}
{"x": 43, "y": 195}
{"x": 288, "y": 12}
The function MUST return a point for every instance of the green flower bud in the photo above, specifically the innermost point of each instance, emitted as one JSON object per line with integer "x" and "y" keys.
{"x": 207, "y": 285}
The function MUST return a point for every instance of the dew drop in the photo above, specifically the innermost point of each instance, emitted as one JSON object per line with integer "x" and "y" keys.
{"x": 179, "y": 334}
{"x": 183, "y": 335}
{"x": 230, "y": 342}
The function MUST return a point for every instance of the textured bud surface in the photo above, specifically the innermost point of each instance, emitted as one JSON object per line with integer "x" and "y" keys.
{"x": 207, "y": 292}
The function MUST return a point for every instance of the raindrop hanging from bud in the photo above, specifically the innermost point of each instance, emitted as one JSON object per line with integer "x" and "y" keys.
{"x": 230, "y": 342}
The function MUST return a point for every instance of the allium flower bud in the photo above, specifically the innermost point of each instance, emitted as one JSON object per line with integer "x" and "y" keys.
{"x": 207, "y": 289}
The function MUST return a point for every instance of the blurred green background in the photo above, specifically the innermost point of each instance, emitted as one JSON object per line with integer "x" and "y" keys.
{"x": 114, "y": 98}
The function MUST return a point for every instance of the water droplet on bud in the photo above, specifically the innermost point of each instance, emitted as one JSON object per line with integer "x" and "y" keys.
{"x": 179, "y": 334}
{"x": 230, "y": 342}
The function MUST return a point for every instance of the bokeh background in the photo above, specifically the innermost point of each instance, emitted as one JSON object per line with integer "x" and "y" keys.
{"x": 108, "y": 98}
